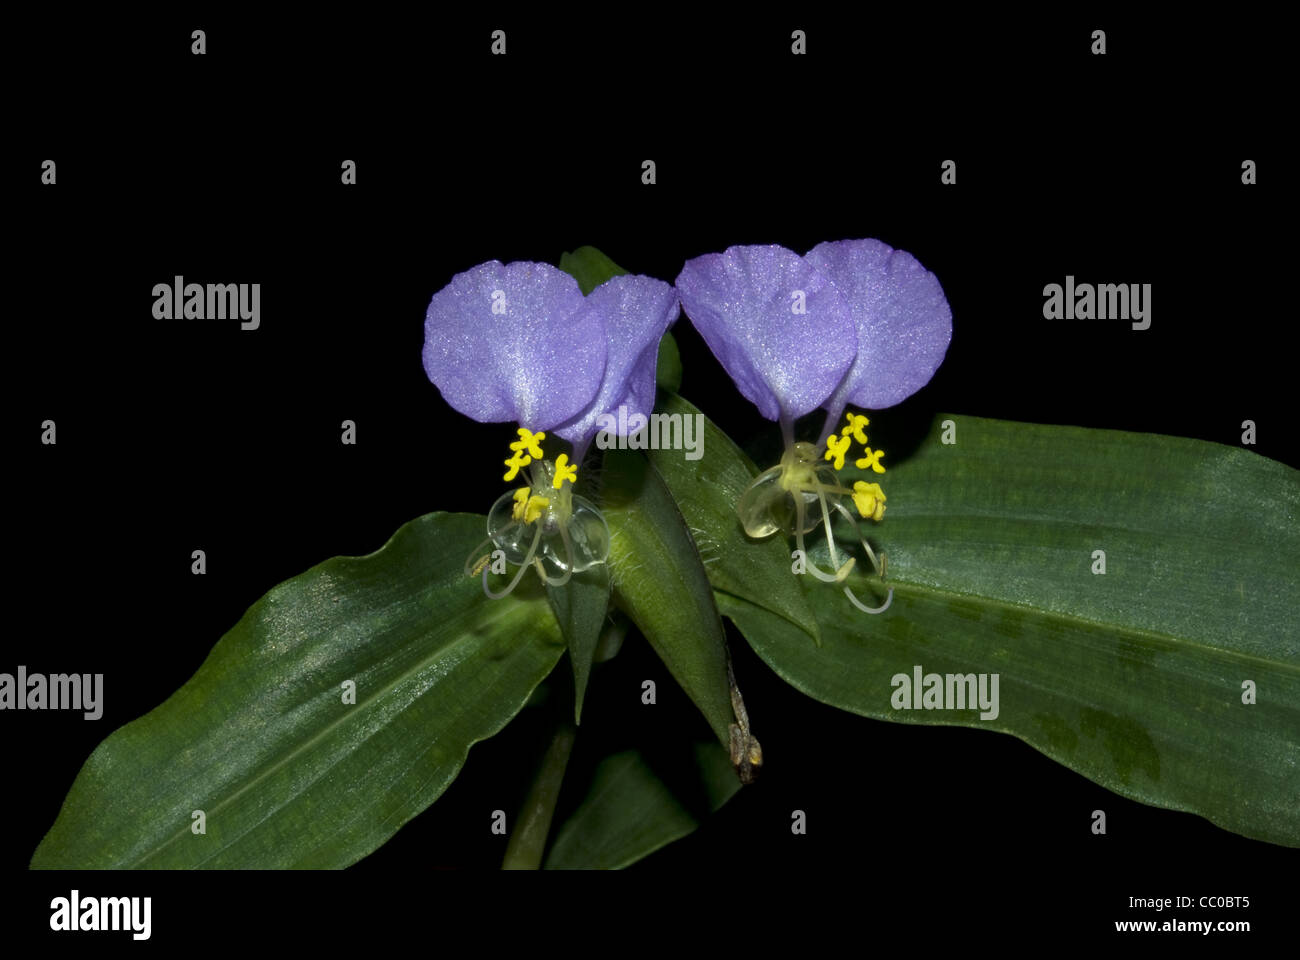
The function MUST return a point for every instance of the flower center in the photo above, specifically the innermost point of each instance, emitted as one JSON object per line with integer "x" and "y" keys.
{"x": 799, "y": 493}
{"x": 544, "y": 524}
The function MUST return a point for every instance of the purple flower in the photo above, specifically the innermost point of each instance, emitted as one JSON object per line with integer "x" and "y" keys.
{"x": 519, "y": 342}
{"x": 854, "y": 322}
{"x": 775, "y": 322}
{"x": 903, "y": 322}
{"x": 636, "y": 312}
{"x": 513, "y": 343}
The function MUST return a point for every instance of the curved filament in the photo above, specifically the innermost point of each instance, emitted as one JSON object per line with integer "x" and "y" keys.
{"x": 568, "y": 566}
{"x": 815, "y": 570}
{"x": 878, "y": 564}
{"x": 532, "y": 551}
{"x": 865, "y": 609}
{"x": 840, "y": 571}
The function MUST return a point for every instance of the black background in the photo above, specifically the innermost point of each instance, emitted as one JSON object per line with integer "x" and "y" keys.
{"x": 177, "y": 435}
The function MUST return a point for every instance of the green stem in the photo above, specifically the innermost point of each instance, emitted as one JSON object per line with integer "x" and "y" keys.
{"x": 528, "y": 839}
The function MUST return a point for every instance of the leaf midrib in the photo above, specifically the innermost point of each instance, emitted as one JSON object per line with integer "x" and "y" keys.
{"x": 1140, "y": 633}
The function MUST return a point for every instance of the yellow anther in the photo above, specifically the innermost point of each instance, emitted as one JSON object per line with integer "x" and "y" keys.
{"x": 869, "y": 499}
{"x": 563, "y": 471}
{"x": 836, "y": 447}
{"x": 532, "y": 442}
{"x": 517, "y": 460}
{"x": 872, "y": 460}
{"x": 854, "y": 427}
{"x": 527, "y": 508}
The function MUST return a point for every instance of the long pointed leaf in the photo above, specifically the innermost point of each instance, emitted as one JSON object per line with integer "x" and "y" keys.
{"x": 1138, "y": 677}
{"x": 580, "y": 608}
{"x": 661, "y": 583}
{"x": 263, "y": 742}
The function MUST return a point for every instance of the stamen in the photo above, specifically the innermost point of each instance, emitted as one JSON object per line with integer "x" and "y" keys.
{"x": 856, "y": 422}
{"x": 872, "y": 460}
{"x": 529, "y": 441}
{"x": 836, "y": 448}
{"x": 869, "y": 499}
{"x": 528, "y": 508}
{"x": 517, "y": 460}
{"x": 564, "y": 471}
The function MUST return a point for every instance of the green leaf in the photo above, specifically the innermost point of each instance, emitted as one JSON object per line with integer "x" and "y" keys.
{"x": 260, "y": 740}
{"x": 1134, "y": 678}
{"x": 580, "y": 607}
{"x": 589, "y": 267}
{"x": 706, "y": 490}
{"x": 661, "y": 583}
{"x": 634, "y": 808}
{"x": 668, "y": 369}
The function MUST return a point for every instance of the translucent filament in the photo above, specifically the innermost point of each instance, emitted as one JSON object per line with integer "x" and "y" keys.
{"x": 794, "y": 497}
{"x": 552, "y": 530}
